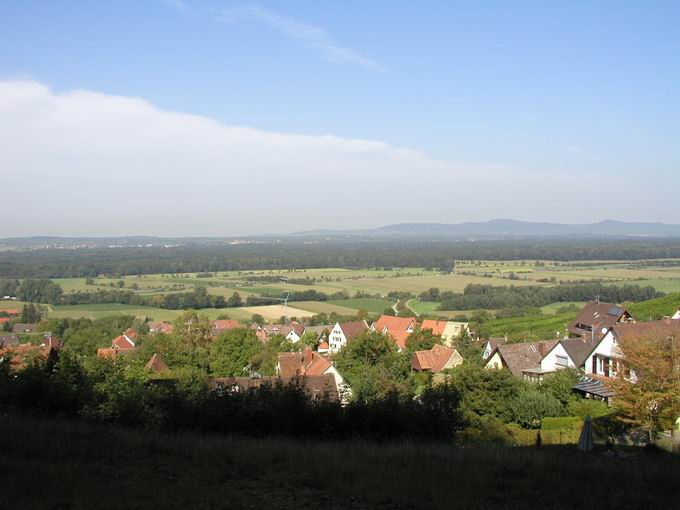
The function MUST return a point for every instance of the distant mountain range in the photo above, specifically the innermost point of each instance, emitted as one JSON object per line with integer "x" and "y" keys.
{"x": 500, "y": 229}
{"x": 505, "y": 228}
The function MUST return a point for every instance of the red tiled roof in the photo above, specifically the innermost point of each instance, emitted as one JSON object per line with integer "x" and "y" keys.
{"x": 302, "y": 363}
{"x": 156, "y": 364}
{"x": 437, "y": 327}
{"x": 123, "y": 342}
{"x": 226, "y": 324}
{"x": 10, "y": 311}
{"x": 4, "y": 320}
{"x": 434, "y": 359}
{"x": 394, "y": 323}
{"x": 20, "y": 354}
{"x": 400, "y": 338}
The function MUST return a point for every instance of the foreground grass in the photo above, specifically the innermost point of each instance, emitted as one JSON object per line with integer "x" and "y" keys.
{"x": 64, "y": 464}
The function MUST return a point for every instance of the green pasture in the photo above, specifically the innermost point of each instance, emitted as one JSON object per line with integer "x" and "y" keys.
{"x": 371, "y": 305}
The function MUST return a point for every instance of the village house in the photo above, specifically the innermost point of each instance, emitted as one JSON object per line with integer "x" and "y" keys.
{"x": 343, "y": 333}
{"x": 24, "y": 328}
{"x": 595, "y": 319}
{"x": 317, "y": 387}
{"x": 156, "y": 364}
{"x": 606, "y": 358}
{"x": 676, "y": 315}
{"x": 519, "y": 358}
{"x": 436, "y": 359}
{"x": 161, "y": 327}
{"x": 22, "y": 355}
{"x": 121, "y": 345}
{"x": 448, "y": 330}
{"x": 223, "y": 325}
{"x": 292, "y": 332}
{"x": 310, "y": 363}
{"x": 8, "y": 339}
{"x": 397, "y": 328}
{"x": 491, "y": 344}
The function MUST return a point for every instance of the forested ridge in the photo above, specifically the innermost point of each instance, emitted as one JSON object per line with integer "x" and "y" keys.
{"x": 56, "y": 263}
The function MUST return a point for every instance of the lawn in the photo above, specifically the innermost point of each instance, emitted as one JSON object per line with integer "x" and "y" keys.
{"x": 96, "y": 466}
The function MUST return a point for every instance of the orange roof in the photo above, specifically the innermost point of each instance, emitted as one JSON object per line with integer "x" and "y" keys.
{"x": 19, "y": 354}
{"x": 394, "y": 323}
{"x": 10, "y": 311}
{"x": 156, "y": 364}
{"x": 226, "y": 324}
{"x": 123, "y": 342}
{"x": 400, "y": 338}
{"x": 305, "y": 363}
{"x": 434, "y": 360}
{"x": 437, "y": 327}
{"x": 324, "y": 345}
{"x": 3, "y": 320}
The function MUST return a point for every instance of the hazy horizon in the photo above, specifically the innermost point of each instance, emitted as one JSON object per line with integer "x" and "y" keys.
{"x": 197, "y": 118}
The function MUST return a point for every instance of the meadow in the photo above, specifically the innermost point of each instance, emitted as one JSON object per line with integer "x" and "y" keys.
{"x": 377, "y": 282}
{"x": 106, "y": 467}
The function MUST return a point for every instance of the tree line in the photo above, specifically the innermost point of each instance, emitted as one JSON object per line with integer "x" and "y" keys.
{"x": 477, "y": 296}
{"x": 52, "y": 263}
{"x": 45, "y": 291}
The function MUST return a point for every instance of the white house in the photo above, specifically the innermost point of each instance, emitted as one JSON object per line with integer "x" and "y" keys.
{"x": 606, "y": 357}
{"x": 343, "y": 333}
{"x": 308, "y": 364}
{"x": 676, "y": 315}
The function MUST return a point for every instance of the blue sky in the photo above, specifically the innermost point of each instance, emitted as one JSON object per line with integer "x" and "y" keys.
{"x": 550, "y": 89}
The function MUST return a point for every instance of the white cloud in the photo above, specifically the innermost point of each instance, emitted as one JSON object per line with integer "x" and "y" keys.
{"x": 86, "y": 163}
{"x": 309, "y": 35}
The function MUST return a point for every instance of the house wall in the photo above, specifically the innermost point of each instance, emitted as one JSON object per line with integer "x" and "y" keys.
{"x": 293, "y": 337}
{"x": 607, "y": 347}
{"x": 455, "y": 360}
{"x": 496, "y": 361}
{"x": 549, "y": 362}
{"x": 676, "y": 315}
{"x": 336, "y": 339}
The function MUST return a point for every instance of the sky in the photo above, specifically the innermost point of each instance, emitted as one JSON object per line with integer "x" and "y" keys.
{"x": 194, "y": 118}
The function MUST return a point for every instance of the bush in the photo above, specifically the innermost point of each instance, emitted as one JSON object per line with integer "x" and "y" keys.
{"x": 588, "y": 407}
{"x": 532, "y": 406}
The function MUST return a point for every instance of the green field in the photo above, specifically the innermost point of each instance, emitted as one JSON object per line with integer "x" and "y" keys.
{"x": 376, "y": 306}
{"x": 67, "y": 464}
{"x": 378, "y": 282}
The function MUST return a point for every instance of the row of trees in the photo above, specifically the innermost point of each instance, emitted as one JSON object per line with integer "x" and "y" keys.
{"x": 489, "y": 297}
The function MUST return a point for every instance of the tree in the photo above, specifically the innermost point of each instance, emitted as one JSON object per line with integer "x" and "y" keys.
{"x": 362, "y": 314}
{"x": 232, "y": 353}
{"x": 30, "y": 313}
{"x": 648, "y": 381}
{"x": 257, "y": 319}
{"x": 374, "y": 368}
{"x": 235, "y": 300}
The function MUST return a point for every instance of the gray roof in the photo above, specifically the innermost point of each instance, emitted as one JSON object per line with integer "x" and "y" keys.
{"x": 520, "y": 357}
{"x": 579, "y": 349}
{"x": 594, "y": 387}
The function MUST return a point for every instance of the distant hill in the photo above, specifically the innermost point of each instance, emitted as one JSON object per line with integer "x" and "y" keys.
{"x": 505, "y": 228}
{"x": 500, "y": 229}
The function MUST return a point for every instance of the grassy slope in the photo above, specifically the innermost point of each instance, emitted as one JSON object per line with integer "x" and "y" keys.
{"x": 63, "y": 464}
{"x": 536, "y": 327}
{"x": 655, "y": 308}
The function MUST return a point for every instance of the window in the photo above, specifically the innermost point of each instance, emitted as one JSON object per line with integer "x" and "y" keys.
{"x": 561, "y": 361}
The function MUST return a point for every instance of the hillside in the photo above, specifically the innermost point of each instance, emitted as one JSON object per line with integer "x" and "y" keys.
{"x": 104, "y": 467}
